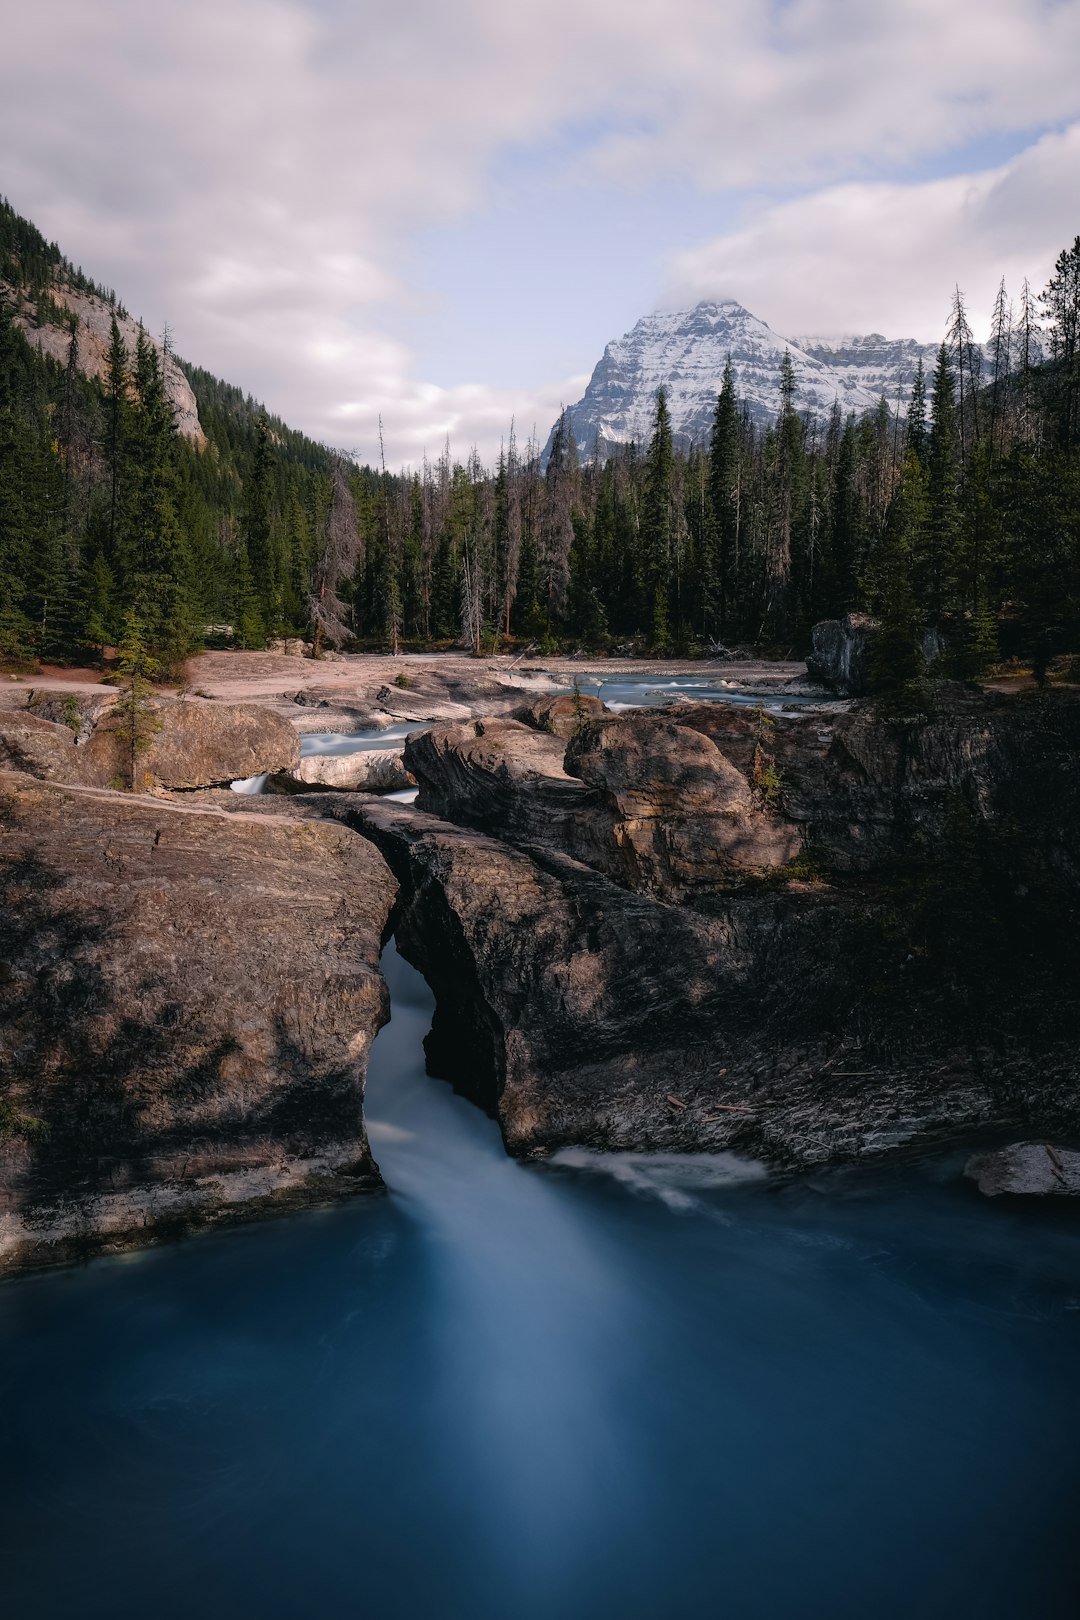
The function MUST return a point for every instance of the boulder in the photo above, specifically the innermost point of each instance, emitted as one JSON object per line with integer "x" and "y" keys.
{"x": 198, "y": 745}
{"x": 369, "y": 770}
{"x": 1032, "y": 1169}
{"x": 187, "y": 1003}
{"x": 841, "y": 655}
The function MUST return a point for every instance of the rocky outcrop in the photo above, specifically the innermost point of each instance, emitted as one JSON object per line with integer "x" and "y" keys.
{"x": 40, "y": 747}
{"x": 94, "y": 330}
{"x": 1029, "y": 1169}
{"x": 198, "y": 745}
{"x": 187, "y": 1003}
{"x": 913, "y": 970}
{"x": 681, "y": 817}
{"x": 646, "y": 800}
{"x": 562, "y": 716}
{"x": 841, "y": 655}
{"x": 369, "y": 770}
{"x": 579, "y": 1012}
{"x": 78, "y": 711}
{"x": 191, "y": 744}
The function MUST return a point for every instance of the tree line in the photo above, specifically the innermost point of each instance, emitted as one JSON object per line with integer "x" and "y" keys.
{"x": 959, "y": 518}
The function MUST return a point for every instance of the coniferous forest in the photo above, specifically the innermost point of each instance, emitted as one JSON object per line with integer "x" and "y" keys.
{"x": 960, "y": 517}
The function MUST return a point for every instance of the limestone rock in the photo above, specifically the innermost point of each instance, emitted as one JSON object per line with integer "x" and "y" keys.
{"x": 78, "y": 711}
{"x": 187, "y": 1003}
{"x": 1034, "y": 1169}
{"x": 95, "y": 318}
{"x": 579, "y": 1012}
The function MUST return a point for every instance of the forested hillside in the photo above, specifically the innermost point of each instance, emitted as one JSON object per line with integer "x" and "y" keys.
{"x": 964, "y": 516}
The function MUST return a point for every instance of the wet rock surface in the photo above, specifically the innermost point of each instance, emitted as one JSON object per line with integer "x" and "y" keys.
{"x": 187, "y": 1001}
{"x": 1028, "y": 1169}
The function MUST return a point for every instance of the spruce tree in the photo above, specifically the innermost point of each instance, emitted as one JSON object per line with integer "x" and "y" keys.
{"x": 936, "y": 547}
{"x": 658, "y": 526}
{"x": 720, "y": 565}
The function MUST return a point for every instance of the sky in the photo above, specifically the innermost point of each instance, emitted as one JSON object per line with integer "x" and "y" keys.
{"x": 439, "y": 212}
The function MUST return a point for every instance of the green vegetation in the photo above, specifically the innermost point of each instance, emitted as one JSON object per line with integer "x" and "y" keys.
{"x": 962, "y": 519}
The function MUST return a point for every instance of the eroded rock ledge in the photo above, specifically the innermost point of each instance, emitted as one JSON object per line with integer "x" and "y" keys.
{"x": 187, "y": 1003}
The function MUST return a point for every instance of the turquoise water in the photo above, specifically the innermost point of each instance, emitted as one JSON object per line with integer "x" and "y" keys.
{"x": 628, "y": 1387}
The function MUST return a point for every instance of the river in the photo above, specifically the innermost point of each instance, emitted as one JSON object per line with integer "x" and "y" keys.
{"x": 627, "y": 1387}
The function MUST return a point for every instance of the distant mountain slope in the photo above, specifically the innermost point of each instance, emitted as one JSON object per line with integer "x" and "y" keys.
{"x": 685, "y": 352}
{"x": 47, "y": 292}
{"x": 877, "y": 364}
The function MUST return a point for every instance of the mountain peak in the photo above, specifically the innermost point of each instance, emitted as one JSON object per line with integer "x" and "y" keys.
{"x": 684, "y": 351}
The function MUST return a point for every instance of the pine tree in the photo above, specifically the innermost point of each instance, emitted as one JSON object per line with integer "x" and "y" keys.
{"x": 256, "y": 532}
{"x": 1061, "y": 305}
{"x": 138, "y": 668}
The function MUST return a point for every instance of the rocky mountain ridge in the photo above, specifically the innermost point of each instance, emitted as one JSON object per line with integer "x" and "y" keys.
{"x": 685, "y": 351}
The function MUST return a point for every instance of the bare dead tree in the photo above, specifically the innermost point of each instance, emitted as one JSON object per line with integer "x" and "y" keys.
{"x": 341, "y": 550}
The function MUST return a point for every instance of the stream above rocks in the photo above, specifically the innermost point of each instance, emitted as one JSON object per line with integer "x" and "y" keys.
{"x": 617, "y": 1385}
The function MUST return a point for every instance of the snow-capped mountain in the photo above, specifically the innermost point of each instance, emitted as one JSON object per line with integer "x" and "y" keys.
{"x": 880, "y": 364}
{"x": 685, "y": 352}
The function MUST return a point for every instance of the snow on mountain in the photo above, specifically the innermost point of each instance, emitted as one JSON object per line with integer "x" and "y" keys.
{"x": 685, "y": 352}
{"x": 879, "y": 364}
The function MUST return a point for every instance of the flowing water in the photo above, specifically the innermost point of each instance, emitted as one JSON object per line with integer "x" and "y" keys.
{"x": 624, "y": 1386}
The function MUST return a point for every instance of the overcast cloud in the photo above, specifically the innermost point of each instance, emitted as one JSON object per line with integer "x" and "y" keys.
{"x": 259, "y": 171}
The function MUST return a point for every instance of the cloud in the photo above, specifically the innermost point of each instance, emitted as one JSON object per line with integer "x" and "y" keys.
{"x": 255, "y": 170}
{"x": 885, "y": 257}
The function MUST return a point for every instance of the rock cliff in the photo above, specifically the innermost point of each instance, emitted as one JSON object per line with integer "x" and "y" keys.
{"x": 187, "y": 1002}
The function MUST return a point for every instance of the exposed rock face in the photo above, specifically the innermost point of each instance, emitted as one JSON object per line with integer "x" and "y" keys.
{"x": 562, "y": 716}
{"x": 187, "y": 1002}
{"x": 95, "y": 319}
{"x": 684, "y": 352}
{"x": 863, "y": 791}
{"x": 40, "y": 747}
{"x": 841, "y": 655}
{"x": 1033, "y": 1169}
{"x": 914, "y": 972}
{"x": 501, "y": 775}
{"x": 199, "y": 745}
{"x": 369, "y": 770}
{"x": 650, "y": 802}
{"x": 579, "y": 1012}
{"x": 681, "y": 816}
{"x": 79, "y": 711}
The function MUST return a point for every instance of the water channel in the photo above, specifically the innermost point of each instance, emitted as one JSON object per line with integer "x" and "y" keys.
{"x": 624, "y": 1386}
